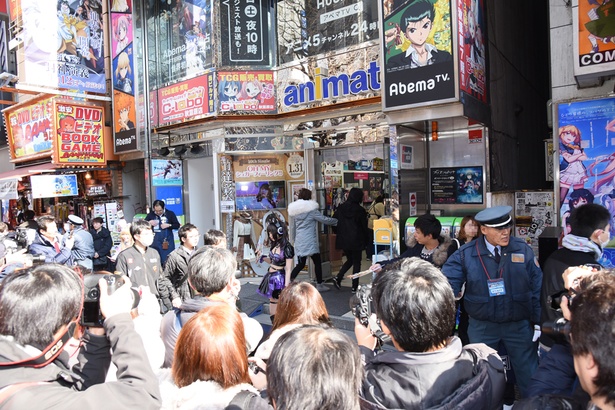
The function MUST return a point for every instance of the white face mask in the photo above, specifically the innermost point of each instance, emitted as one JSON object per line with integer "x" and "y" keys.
{"x": 67, "y": 227}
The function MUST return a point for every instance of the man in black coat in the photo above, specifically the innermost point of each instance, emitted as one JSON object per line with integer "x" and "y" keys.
{"x": 352, "y": 234}
{"x": 102, "y": 244}
{"x": 589, "y": 234}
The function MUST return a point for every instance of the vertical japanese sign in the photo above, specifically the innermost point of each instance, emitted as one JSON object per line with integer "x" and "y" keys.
{"x": 30, "y": 130}
{"x": 252, "y": 91}
{"x": 312, "y": 27}
{"x": 587, "y": 160}
{"x": 67, "y": 50}
{"x": 186, "y": 100}
{"x": 417, "y": 54}
{"x": 245, "y": 32}
{"x": 471, "y": 43}
{"x": 79, "y": 133}
{"x": 596, "y": 28}
{"x": 123, "y": 79}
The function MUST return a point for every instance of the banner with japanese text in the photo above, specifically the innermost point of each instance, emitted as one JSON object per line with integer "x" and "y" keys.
{"x": 310, "y": 27}
{"x": 418, "y": 54}
{"x": 252, "y": 91}
{"x": 245, "y": 33}
{"x": 30, "y": 130}
{"x": 79, "y": 133}
{"x": 67, "y": 50}
{"x": 186, "y": 100}
{"x": 471, "y": 43}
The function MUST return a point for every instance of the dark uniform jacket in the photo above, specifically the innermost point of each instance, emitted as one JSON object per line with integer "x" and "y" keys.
{"x": 102, "y": 245}
{"x": 61, "y": 388}
{"x": 473, "y": 265}
{"x": 352, "y": 233}
{"x": 176, "y": 271}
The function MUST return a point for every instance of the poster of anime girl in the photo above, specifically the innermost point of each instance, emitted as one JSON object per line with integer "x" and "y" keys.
{"x": 418, "y": 54}
{"x": 586, "y": 134}
{"x": 122, "y": 32}
{"x": 472, "y": 74}
{"x": 123, "y": 73}
{"x": 596, "y": 32}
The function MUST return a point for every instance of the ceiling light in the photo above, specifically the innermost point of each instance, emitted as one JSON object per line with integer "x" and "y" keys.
{"x": 164, "y": 151}
{"x": 196, "y": 149}
{"x": 88, "y": 175}
{"x": 181, "y": 150}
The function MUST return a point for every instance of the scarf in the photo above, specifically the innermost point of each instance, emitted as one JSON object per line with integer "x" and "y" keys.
{"x": 579, "y": 243}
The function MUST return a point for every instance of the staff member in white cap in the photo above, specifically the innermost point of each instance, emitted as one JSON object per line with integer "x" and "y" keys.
{"x": 83, "y": 249}
{"x": 502, "y": 294}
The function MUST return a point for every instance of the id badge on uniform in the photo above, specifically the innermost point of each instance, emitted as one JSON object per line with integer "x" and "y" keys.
{"x": 496, "y": 287}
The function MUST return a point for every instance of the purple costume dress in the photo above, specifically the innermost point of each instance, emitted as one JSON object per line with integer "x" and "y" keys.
{"x": 273, "y": 282}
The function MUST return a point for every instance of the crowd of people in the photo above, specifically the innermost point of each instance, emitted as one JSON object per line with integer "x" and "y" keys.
{"x": 173, "y": 336}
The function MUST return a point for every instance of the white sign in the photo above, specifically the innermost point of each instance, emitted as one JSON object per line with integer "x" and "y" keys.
{"x": 412, "y": 203}
{"x": 227, "y": 207}
{"x": 8, "y": 189}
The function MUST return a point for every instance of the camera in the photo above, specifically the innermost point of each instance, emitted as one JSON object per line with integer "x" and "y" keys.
{"x": 361, "y": 308}
{"x": 91, "y": 315}
{"x": 561, "y": 327}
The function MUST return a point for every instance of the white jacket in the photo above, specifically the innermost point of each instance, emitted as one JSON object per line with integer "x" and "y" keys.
{"x": 304, "y": 217}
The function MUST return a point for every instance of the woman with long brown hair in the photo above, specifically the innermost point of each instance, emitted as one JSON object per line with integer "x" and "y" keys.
{"x": 210, "y": 366}
{"x": 300, "y": 304}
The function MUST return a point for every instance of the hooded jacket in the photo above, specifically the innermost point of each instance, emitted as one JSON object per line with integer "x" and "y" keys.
{"x": 304, "y": 218}
{"x": 470, "y": 377}
{"x": 84, "y": 387}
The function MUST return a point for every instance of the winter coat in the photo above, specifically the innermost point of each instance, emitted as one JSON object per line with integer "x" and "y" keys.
{"x": 437, "y": 258}
{"x": 352, "y": 233}
{"x": 102, "y": 245}
{"x": 61, "y": 388}
{"x": 173, "y": 321}
{"x": 161, "y": 234}
{"x": 41, "y": 246}
{"x": 83, "y": 249}
{"x": 470, "y": 377}
{"x": 176, "y": 271}
{"x": 304, "y": 218}
{"x": 202, "y": 394}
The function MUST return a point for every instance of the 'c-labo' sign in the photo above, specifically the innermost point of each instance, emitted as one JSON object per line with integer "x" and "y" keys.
{"x": 325, "y": 87}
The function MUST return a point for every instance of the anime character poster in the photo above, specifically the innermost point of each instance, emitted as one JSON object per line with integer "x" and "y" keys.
{"x": 72, "y": 58}
{"x": 251, "y": 91}
{"x": 123, "y": 71}
{"x": 418, "y": 54}
{"x": 471, "y": 43}
{"x": 586, "y": 136}
{"x": 184, "y": 43}
{"x": 167, "y": 172}
{"x": 121, "y": 6}
{"x": 469, "y": 185}
{"x": 121, "y": 35}
{"x": 596, "y": 31}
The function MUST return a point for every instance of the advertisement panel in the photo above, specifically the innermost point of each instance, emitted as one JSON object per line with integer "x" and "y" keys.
{"x": 183, "y": 32}
{"x": 186, "y": 100}
{"x": 71, "y": 58}
{"x": 471, "y": 43}
{"x": 417, "y": 53}
{"x": 587, "y": 160}
{"x": 260, "y": 167}
{"x": 79, "y": 133}
{"x": 30, "y": 130}
{"x": 594, "y": 28}
{"x": 311, "y": 27}
{"x": 51, "y": 186}
{"x": 457, "y": 185}
{"x": 167, "y": 172}
{"x": 245, "y": 32}
{"x": 252, "y": 91}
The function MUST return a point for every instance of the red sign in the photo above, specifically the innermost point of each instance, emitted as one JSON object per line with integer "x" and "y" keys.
{"x": 361, "y": 176}
{"x": 79, "y": 138}
{"x": 252, "y": 91}
{"x": 30, "y": 130}
{"x": 186, "y": 100}
{"x": 475, "y": 136}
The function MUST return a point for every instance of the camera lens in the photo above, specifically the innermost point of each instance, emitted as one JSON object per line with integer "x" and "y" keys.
{"x": 94, "y": 293}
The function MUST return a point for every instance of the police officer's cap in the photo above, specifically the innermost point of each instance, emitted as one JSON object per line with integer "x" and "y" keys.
{"x": 75, "y": 220}
{"x": 495, "y": 217}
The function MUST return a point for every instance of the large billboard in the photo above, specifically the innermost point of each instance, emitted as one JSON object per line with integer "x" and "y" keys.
{"x": 66, "y": 51}
{"x": 79, "y": 132}
{"x": 587, "y": 160}
{"x": 594, "y": 30}
{"x": 186, "y": 100}
{"x": 30, "y": 130}
{"x": 417, "y": 53}
{"x": 310, "y": 27}
{"x": 471, "y": 43}
{"x": 246, "y": 91}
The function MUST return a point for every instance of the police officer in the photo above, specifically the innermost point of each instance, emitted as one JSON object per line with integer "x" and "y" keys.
{"x": 502, "y": 294}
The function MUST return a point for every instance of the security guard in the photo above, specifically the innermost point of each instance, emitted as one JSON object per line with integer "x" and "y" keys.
{"x": 502, "y": 294}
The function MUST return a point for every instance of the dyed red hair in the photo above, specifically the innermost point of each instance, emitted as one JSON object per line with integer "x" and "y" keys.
{"x": 300, "y": 303}
{"x": 212, "y": 346}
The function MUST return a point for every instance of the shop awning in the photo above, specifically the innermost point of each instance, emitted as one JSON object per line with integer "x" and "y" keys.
{"x": 26, "y": 171}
